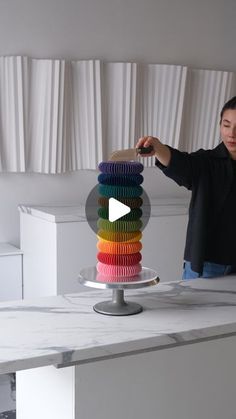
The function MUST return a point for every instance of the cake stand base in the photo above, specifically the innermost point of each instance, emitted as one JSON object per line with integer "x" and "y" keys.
{"x": 117, "y": 306}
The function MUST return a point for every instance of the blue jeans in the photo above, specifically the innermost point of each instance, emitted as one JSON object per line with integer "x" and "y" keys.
{"x": 210, "y": 270}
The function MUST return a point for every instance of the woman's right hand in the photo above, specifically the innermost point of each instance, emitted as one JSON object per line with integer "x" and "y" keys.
{"x": 160, "y": 151}
{"x": 146, "y": 142}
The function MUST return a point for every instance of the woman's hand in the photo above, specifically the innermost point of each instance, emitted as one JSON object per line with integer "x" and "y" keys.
{"x": 146, "y": 142}
{"x": 160, "y": 151}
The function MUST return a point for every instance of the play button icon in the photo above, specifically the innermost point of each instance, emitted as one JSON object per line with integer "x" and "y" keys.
{"x": 113, "y": 208}
{"x": 117, "y": 210}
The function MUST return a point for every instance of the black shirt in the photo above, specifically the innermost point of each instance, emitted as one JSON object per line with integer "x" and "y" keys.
{"x": 221, "y": 242}
{"x": 210, "y": 175}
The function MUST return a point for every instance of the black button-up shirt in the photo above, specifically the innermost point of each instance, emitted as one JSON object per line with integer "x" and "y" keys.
{"x": 221, "y": 245}
{"x": 209, "y": 174}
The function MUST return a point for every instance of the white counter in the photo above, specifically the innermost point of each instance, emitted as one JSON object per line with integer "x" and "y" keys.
{"x": 65, "y": 329}
{"x": 175, "y": 359}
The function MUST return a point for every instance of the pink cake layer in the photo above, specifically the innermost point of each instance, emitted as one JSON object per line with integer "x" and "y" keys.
{"x": 120, "y": 279}
{"x": 118, "y": 270}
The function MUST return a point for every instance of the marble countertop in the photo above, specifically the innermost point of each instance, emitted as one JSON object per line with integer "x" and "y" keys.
{"x": 65, "y": 329}
{"x": 72, "y": 213}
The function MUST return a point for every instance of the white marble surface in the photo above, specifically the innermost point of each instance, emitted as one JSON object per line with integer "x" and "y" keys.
{"x": 72, "y": 213}
{"x": 65, "y": 329}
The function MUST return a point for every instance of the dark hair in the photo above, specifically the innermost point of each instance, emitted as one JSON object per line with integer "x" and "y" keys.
{"x": 231, "y": 104}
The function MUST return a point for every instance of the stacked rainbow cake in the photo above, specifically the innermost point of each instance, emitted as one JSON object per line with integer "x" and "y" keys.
{"x": 119, "y": 242}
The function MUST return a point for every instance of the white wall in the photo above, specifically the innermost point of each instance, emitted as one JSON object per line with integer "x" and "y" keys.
{"x": 200, "y": 34}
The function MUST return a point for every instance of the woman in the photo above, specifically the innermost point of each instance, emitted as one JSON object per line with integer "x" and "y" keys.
{"x": 210, "y": 248}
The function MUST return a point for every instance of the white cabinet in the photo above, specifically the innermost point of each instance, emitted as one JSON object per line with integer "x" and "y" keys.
{"x": 10, "y": 272}
{"x": 58, "y": 243}
{"x": 163, "y": 245}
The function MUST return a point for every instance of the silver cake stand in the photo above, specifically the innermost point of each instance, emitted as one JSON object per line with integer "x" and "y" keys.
{"x": 117, "y": 306}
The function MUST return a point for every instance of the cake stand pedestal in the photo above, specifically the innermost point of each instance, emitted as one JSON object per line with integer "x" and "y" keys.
{"x": 117, "y": 306}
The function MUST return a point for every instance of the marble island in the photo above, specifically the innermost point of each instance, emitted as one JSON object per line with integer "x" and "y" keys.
{"x": 65, "y": 331}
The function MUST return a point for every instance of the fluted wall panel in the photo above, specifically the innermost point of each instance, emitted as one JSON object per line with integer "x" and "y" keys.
{"x": 58, "y": 116}
{"x": 207, "y": 93}
{"x": 85, "y": 116}
{"x": 161, "y": 103}
{"x": 46, "y": 143}
{"x": 120, "y": 91}
{"x": 13, "y": 112}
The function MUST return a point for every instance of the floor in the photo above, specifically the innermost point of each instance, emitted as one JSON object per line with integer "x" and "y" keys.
{"x": 8, "y": 415}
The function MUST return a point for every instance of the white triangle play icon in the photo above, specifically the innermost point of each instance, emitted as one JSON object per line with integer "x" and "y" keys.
{"x": 117, "y": 209}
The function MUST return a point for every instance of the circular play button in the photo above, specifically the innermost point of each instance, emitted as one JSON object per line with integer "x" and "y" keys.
{"x": 117, "y": 209}
{"x": 109, "y": 213}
